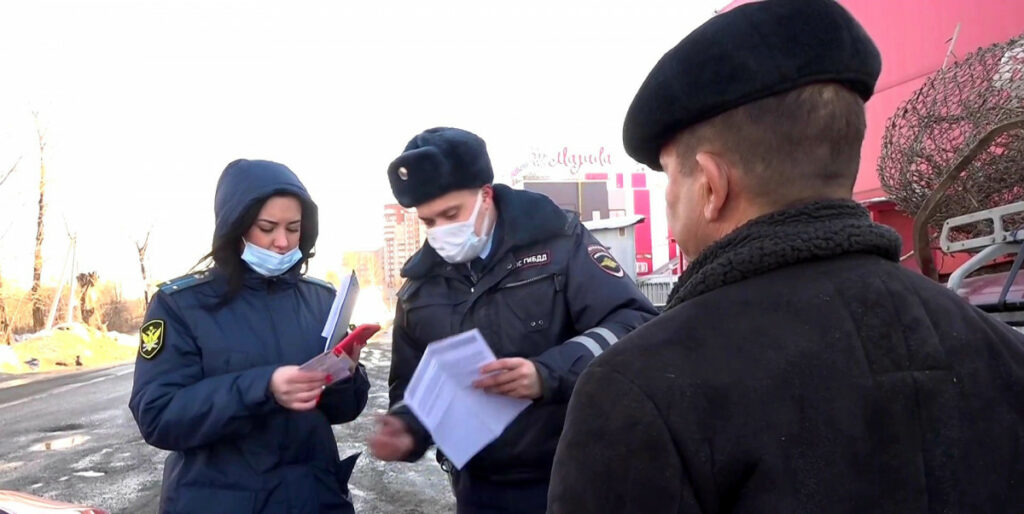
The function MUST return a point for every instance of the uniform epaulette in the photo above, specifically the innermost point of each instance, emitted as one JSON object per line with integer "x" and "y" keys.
{"x": 185, "y": 281}
{"x": 319, "y": 282}
{"x": 572, "y": 219}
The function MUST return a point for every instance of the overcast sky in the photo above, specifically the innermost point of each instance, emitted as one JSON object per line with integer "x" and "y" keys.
{"x": 145, "y": 102}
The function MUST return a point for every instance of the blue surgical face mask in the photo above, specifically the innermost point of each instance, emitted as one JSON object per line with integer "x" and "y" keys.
{"x": 269, "y": 263}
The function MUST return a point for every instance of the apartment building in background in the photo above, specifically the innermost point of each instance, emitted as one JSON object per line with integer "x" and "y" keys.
{"x": 403, "y": 235}
{"x": 368, "y": 265}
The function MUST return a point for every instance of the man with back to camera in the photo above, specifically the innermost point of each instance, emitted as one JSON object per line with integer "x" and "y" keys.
{"x": 547, "y": 296}
{"x": 798, "y": 367}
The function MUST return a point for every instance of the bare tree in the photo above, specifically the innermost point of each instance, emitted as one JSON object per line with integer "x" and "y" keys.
{"x": 86, "y": 281}
{"x": 142, "y": 263}
{"x": 9, "y": 172}
{"x": 38, "y": 307}
{"x": 5, "y": 321}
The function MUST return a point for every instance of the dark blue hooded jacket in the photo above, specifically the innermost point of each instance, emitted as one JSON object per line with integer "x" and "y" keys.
{"x": 202, "y": 377}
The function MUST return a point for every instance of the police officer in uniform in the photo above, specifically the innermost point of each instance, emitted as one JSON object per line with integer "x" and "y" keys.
{"x": 547, "y": 296}
{"x": 216, "y": 381}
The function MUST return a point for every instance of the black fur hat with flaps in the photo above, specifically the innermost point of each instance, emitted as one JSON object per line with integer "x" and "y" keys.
{"x": 745, "y": 54}
{"x": 438, "y": 161}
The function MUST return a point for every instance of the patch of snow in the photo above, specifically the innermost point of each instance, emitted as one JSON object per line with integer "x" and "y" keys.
{"x": 7, "y": 356}
{"x": 89, "y": 474}
{"x": 124, "y": 339}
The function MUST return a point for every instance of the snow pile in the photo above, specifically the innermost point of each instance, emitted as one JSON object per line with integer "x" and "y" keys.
{"x": 68, "y": 346}
{"x": 8, "y": 359}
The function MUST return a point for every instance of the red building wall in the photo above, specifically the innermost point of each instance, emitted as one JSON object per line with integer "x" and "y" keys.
{"x": 642, "y": 232}
{"x": 914, "y": 37}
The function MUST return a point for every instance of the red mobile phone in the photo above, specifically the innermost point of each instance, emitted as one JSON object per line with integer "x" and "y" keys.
{"x": 359, "y": 336}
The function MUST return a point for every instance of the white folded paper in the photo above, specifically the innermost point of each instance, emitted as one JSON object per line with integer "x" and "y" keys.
{"x": 461, "y": 419}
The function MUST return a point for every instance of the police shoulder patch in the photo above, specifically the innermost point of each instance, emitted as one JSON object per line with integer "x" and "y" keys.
{"x": 605, "y": 261}
{"x": 151, "y": 338}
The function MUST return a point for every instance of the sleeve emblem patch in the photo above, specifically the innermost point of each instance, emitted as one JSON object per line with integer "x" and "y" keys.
{"x": 151, "y": 337}
{"x": 605, "y": 261}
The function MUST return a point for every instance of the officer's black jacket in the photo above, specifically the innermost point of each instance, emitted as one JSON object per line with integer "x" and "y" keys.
{"x": 548, "y": 291}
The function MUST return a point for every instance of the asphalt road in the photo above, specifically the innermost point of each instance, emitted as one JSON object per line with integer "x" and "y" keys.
{"x": 70, "y": 437}
{"x": 97, "y": 456}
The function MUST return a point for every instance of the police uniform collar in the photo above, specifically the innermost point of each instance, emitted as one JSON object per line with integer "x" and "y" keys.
{"x": 527, "y": 218}
{"x": 524, "y": 218}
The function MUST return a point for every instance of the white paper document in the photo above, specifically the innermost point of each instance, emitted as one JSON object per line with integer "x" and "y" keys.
{"x": 461, "y": 419}
{"x": 340, "y": 316}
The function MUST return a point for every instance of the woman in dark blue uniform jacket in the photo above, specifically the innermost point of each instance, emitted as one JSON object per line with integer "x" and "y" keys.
{"x": 216, "y": 381}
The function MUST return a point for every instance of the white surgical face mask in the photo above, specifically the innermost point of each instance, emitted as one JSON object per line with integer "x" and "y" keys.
{"x": 269, "y": 263}
{"x": 458, "y": 242}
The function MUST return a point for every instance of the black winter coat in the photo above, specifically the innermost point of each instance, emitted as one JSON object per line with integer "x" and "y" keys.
{"x": 548, "y": 291}
{"x": 800, "y": 368}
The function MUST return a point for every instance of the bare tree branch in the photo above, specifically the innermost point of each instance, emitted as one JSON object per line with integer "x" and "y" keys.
{"x": 38, "y": 309}
{"x": 5, "y": 321}
{"x": 142, "y": 262}
{"x": 145, "y": 243}
{"x": 67, "y": 228}
{"x": 8, "y": 174}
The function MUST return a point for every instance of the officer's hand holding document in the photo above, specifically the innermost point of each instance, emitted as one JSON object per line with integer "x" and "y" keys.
{"x": 461, "y": 419}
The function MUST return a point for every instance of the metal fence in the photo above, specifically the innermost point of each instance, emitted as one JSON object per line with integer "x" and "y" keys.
{"x": 657, "y": 288}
